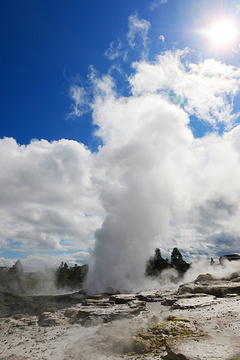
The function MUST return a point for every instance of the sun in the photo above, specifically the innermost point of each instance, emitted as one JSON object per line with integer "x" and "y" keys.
{"x": 222, "y": 33}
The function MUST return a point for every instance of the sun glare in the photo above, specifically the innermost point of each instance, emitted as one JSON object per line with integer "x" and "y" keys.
{"x": 222, "y": 33}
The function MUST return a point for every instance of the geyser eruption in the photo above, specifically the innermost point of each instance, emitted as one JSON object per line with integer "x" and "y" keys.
{"x": 158, "y": 184}
{"x": 146, "y": 140}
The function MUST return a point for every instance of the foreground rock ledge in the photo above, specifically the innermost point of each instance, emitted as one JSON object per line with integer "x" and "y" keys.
{"x": 206, "y": 347}
{"x": 199, "y": 321}
{"x": 206, "y": 284}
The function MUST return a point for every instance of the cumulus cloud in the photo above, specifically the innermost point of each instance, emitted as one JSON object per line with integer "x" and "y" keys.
{"x": 38, "y": 261}
{"x": 205, "y": 89}
{"x": 154, "y": 183}
{"x": 207, "y": 221}
{"x": 48, "y": 201}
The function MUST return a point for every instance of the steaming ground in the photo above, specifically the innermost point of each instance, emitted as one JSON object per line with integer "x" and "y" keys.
{"x": 169, "y": 279}
{"x": 51, "y": 334}
{"x": 24, "y": 339}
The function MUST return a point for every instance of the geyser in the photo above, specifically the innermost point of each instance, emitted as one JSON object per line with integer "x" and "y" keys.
{"x": 159, "y": 185}
{"x": 140, "y": 171}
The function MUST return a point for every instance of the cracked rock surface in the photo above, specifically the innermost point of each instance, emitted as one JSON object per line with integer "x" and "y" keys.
{"x": 185, "y": 324}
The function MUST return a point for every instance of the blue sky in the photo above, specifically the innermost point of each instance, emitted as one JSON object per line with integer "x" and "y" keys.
{"x": 81, "y": 83}
{"x": 45, "y": 46}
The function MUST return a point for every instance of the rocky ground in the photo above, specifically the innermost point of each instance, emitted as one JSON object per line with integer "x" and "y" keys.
{"x": 200, "y": 320}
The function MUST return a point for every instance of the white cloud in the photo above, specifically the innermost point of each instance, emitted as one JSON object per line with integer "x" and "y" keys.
{"x": 48, "y": 200}
{"x": 114, "y": 50}
{"x": 236, "y": 49}
{"x": 79, "y": 104}
{"x": 164, "y": 187}
{"x": 137, "y": 39}
{"x": 157, "y": 184}
{"x": 39, "y": 261}
{"x": 162, "y": 38}
{"x": 158, "y": 3}
{"x": 138, "y": 29}
{"x": 147, "y": 139}
{"x": 206, "y": 89}
{"x": 210, "y": 211}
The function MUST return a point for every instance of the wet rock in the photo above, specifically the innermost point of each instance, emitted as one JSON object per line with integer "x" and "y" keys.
{"x": 94, "y": 321}
{"x": 166, "y": 297}
{"x": 100, "y": 302}
{"x": 141, "y": 305}
{"x": 208, "y": 285}
{"x": 122, "y": 298}
{"x": 92, "y": 315}
{"x": 204, "y": 279}
{"x": 48, "y": 318}
{"x": 235, "y": 276}
{"x": 124, "y": 313}
{"x": 11, "y": 304}
{"x": 195, "y": 302}
{"x": 203, "y": 347}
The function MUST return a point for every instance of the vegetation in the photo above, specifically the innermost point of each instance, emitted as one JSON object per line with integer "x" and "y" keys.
{"x": 154, "y": 337}
{"x": 14, "y": 280}
{"x": 70, "y": 277}
{"x": 156, "y": 264}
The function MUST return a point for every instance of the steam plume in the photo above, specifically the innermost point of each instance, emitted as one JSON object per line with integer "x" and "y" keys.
{"x": 158, "y": 183}
{"x": 140, "y": 172}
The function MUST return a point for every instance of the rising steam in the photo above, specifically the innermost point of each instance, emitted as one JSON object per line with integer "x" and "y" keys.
{"x": 160, "y": 185}
{"x": 141, "y": 172}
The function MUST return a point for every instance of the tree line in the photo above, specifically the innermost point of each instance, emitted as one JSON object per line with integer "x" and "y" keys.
{"x": 15, "y": 280}
{"x": 156, "y": 264}
{"x": 70, "y": 277}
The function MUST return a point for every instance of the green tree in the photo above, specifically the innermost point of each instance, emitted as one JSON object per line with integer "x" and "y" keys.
{"x": 176, "y": 256}
{"x": 156, "y": 263}
{"x": 177, "y": 261}
{"x": 70, "y": 277}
